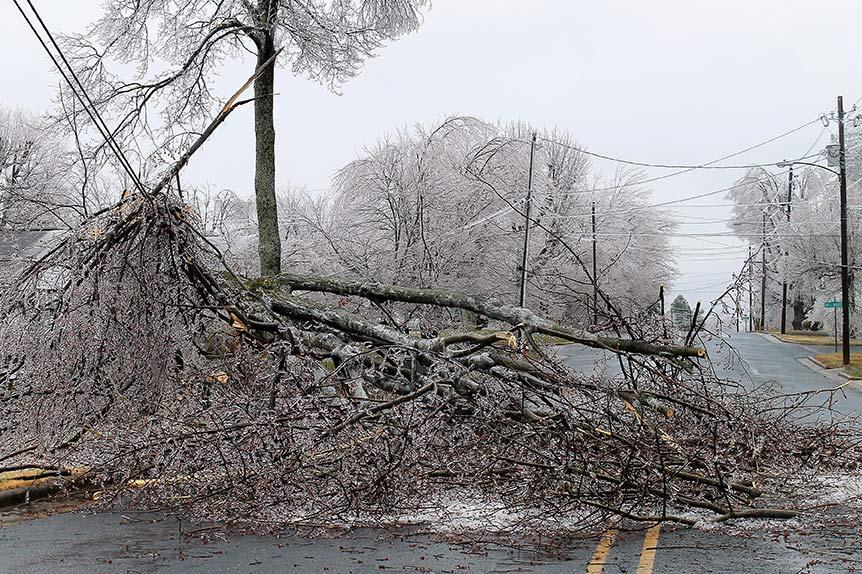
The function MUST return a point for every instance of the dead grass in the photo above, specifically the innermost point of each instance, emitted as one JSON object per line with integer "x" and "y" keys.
{"x": 854, "y": 371}
{"x": 811, "y": 339}
{"x": 835, "y": 361}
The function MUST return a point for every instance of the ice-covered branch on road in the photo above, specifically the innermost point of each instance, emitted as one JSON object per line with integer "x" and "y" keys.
{"x": 146, "y": 359}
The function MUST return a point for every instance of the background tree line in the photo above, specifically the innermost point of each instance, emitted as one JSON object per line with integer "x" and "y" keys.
{"x": 802, "y": 245}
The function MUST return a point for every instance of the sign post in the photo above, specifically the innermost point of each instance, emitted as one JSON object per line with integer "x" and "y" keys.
{"x": 834, "y": 305}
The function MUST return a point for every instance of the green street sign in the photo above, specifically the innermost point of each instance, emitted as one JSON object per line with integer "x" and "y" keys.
{"x": 833, "y": 304}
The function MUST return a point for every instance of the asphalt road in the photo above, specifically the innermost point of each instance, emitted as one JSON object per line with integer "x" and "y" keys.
{"x": 77, "y": 542}
{"x": 752, "y": 359}
{"x": 74, "y": 542}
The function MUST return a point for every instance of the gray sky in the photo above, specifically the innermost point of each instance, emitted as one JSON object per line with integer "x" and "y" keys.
{"x": 662, "y": 82}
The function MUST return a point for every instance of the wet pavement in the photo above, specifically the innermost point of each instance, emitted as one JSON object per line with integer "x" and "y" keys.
{"x": 80, "y": 541}
{"x": 76, "y": 542}
{"x": 752, "y": 359}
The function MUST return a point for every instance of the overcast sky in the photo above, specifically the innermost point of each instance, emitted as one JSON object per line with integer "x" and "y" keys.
{"x": 660, "y": 82}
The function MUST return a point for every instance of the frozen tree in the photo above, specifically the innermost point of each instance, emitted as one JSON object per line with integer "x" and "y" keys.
{"x": 760, "y": 219}
{"x": 681, "y": 313}
{"x": 34, "y": 190}
{"x": 801, "y": 238}
{"x": 143, "y": 57}
{"x": 445, "y": 206}
{"x": 813, "y": 236}
{"x": 150, "y": 362}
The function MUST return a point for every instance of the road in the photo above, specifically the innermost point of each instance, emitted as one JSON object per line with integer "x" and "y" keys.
{"x": 750, "y": 358}
{"x": 77, "y": 542}
{"x": 73, "y": 542}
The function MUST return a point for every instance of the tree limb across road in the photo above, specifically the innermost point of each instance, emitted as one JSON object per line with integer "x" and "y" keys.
{"x": 135, "y": 352}
{"x": 516, "y": 316}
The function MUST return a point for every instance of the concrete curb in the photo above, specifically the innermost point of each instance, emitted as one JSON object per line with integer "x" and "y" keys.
{"x": 829, "y": 371}
{"x": 830, "y": 374}
{"x": 828, "y": 343}
{"x": 818, "y": 363}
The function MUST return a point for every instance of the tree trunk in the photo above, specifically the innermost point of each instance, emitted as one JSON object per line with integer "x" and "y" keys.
{"x": 269, "y": 241}
{"x": 798, "y": 313}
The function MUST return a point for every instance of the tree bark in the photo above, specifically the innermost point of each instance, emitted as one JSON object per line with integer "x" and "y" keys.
{"x": 269, "y": 240}
{"x": 798, "y": 314}
{"x": 516, "y": 316}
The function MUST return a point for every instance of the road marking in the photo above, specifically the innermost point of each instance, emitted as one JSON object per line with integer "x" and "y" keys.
{"x": 597, "y": 562}
{"x": 648, "y": 551}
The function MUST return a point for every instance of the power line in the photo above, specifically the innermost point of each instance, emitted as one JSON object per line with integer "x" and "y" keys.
{"x": 100, "y": 124}
{"x": 690, "y": 167}
{"x": 825, "y": 263}
{"x": 698, "y": 196}
{"x": 684, "y": 199}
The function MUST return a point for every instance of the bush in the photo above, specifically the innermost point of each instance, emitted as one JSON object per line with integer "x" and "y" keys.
{"x": 816, "y": 325}
{"x": 806, "y": 325}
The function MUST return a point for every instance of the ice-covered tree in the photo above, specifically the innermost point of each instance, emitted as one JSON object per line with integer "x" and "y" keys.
{"x": 801, "y": 238}
{"x": 34, "y": 180}
{"x": 145, "y": 59}
{"x": 445, "y": 206}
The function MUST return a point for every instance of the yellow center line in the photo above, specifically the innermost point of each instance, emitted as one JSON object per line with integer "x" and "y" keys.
{"x": 597, "y": 562}
{"x": 648, "y": 551}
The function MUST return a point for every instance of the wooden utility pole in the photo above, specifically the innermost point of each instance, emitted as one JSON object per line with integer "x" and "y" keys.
{"x": 845, "y": 270}
{"x": 750, "y": 292}
{"x": 738, "y": 310}
{"x": 784, "y": 278}
{"x": 763, "y": 277}
{"x": 523, "y": 296}
{"x": 661, "y": 299}
{"x": 595, "y": 278}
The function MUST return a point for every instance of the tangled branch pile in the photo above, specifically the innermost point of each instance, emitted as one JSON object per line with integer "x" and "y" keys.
{"x": 131, "y": 351}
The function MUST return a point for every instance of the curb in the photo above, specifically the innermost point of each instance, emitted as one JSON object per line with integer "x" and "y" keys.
{"x": 828, "y": 343}
{"x": 835, "y": 370}
{"x": 819, "y": 364}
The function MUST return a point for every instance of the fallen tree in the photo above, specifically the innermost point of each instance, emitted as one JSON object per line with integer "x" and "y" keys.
{"x": 132, "y": 350}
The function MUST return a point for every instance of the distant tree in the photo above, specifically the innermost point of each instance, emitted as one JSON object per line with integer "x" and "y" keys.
{"x": 681, "y": 313}
{"x": 803, "y": 251}
{"x": 34, "y": 190}
{"x": 173, "y": 50}
{"x": 444, "y": 206}
{"x": 760, "y": 219}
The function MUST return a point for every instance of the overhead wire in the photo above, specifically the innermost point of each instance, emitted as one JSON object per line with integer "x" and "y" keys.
{"x": 691, "y": 167}
{"x": 91, "y": 111}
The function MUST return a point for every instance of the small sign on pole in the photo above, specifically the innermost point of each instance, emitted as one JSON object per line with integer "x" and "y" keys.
{"x": 834, "y": 305}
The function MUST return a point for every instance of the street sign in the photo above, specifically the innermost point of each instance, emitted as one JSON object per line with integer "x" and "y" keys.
{"x": 833, "y": 305}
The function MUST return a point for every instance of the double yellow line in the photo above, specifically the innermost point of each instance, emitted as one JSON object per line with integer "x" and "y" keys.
{"x": 647, "y": 559}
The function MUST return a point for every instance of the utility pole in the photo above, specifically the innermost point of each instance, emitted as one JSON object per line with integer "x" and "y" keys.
{"x": 596, "y": 279}
{"x": 523, "y": 296}
{"x": 784, "y": 278}
{"x": 738, "y": 309}
{"x": 763, "y": 278}
{"x": 845, "y": 271}
{"x": 750, "y": 292}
